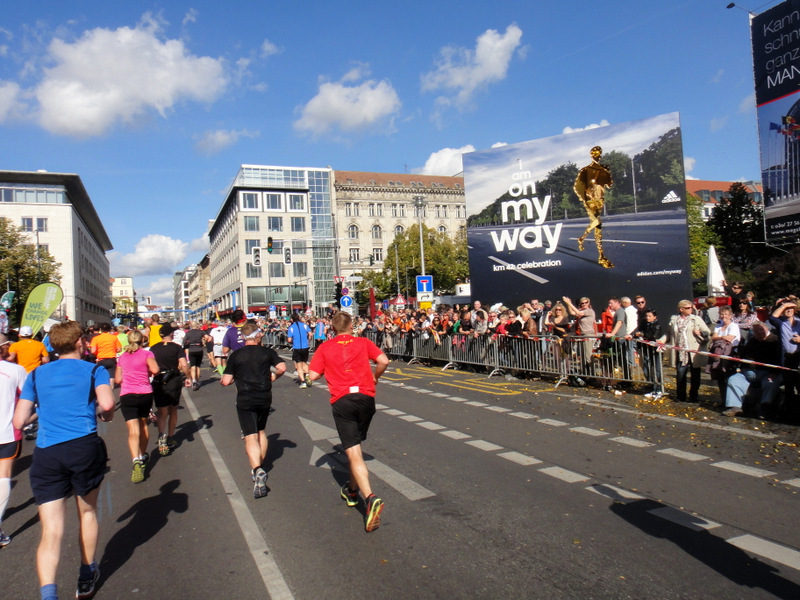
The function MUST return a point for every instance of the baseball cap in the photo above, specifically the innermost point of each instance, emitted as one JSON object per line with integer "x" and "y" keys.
{"x": 25, "y": 331}
{"x": 166, "y": 330}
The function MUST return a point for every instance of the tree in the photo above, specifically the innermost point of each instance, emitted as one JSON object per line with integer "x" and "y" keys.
{"x": 20, "y": 267}
{"x": 739, "y": 224}
{"x": 701, "y": 236}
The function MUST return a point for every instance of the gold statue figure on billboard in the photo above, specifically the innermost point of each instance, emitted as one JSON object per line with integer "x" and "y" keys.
{"x": 590, "y": 186}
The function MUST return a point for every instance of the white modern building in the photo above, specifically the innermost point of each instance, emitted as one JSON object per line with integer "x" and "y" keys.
{"x": 180, "y": 285}
{"x": 58, "y": 214}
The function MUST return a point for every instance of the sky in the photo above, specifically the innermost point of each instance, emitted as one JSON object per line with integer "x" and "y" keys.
{"x": 156, "y": 105}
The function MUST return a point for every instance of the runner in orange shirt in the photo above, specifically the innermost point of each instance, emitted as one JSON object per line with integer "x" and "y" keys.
{"x": 105, "y": 347}
{"x": 28, "y": 352}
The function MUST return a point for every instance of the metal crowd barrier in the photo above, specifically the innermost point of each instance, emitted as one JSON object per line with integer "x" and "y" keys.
{"x": 276, "y": 339}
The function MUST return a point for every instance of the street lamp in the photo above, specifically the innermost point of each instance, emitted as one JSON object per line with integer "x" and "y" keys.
{"x": 419, "y": 204}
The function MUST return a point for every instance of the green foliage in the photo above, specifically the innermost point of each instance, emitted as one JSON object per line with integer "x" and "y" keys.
{"x": 701, "y": 236}
{"x": 20, "y": 270}
{"x": 739, "y": 224}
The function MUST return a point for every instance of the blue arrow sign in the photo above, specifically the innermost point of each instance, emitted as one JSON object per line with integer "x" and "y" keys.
{"x": 346, "y": 301}
{"x": 424, "y": 283}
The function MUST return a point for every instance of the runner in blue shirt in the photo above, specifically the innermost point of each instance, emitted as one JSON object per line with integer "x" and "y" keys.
{"x": 298, "y": 334}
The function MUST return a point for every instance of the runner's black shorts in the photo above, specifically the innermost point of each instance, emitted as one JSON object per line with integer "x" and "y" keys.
{"x": 78, "y": 465}
{"x": 195, "y": 359}
{"x": 11, "y": 450}
{"x": 252, "y": 420}
{"x": 168, "y": 394}
{"x": 300, "y": 355}
{"x": 352, "y": 414}
{"x": 135, "y": 406}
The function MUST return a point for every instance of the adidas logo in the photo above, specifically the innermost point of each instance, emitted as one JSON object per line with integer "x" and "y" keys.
{"x": 671, "y": 197}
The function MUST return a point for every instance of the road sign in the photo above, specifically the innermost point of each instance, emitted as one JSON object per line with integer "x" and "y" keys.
{"x": 424, "y": 283}
{"x": 346, "y": 302}
{"x": 424, "y": 296}
{"x": 345, "y": 291}
{"x": 399, "y": 301}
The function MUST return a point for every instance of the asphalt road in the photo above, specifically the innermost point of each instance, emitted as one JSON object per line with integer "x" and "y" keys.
{"x": 493, "y": 489}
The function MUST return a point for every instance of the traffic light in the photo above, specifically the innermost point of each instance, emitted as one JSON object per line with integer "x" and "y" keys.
{"x": 287, "y": 255}
{"x": 338, "y": 295}
{"x": 256, "y": 257}
{"x": 269, "y": 245}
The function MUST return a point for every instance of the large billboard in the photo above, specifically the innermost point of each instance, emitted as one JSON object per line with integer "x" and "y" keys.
{"x": 597, "y": 213}
{"x": 775, "y": 35}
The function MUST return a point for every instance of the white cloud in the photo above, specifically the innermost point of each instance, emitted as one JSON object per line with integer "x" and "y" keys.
{"x": 10, "y": 101}
{"x": 717, "y": 77}
{"x": 154, "y": 255}
{"x": 748, "y": 104}
{"x": 717, "y": 123}
{"x": 161, "y": 291}
{"x": 349, "y": 108}
{"x": 191, "y": 17}
{"x": 110, "y": 76}
{"x": 602, "y": 123}
{"x": 499, "y": 144}
{"x": 463, "y": 71}
{"x": 688, "y": 166}
{"x": 200, "y": 244}
{"x": 268, "y": 49}
{"x": 213, "y": 142}
{"x": 446, "y": 161}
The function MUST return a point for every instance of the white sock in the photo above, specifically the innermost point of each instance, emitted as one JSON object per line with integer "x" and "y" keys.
{"x": 5, "y": 493}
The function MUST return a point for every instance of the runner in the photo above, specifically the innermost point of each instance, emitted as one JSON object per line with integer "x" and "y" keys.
{"x": 167, "y": 387}
{"x": 70, "y": 457}
{"x": 105, "y": 347}
{"x": 134, "y": 368}
{"x": 193, "y": 344}
{"x": 28, "y": 352}
{"x": 233, "y": 337}
{"x": 250, "y": 368}
{"x": 217, "y": 337}
{"x": 345, "y": 363}
{"x": 298, "y": 334}
{"x": 12, "y": 378}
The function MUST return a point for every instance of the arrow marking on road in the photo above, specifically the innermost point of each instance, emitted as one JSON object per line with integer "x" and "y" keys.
{"x": 317, "y": 431}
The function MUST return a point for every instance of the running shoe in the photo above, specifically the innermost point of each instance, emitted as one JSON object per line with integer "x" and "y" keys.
{"x": 374, "y": 510}
{"x": 5, "y": 540}
{"x": 86, "y": 586}
{"x": 260, "y": 485}
{"x": 137, "y": 472}
{"x": 308, "y": 381}
{"x": 349, "y": 495}
{"x": 220, "y": 370}
{"x": 145, "y": 458}
{"x": 163, "y": 449}
{"x": 171, "y": 443}
{"x": 195, "y": 386}
{"x": 303, "y": 385}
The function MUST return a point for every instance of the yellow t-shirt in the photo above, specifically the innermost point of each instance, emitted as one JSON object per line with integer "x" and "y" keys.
{"x": 155, "y": 334}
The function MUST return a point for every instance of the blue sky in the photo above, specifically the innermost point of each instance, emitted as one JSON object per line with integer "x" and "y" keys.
{"x": 156, "y": 104}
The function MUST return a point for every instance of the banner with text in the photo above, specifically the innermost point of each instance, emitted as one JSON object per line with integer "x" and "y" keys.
{"x": 596, "y": 213}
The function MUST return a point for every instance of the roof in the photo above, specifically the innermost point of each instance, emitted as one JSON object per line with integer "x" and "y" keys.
{"x": 362, "y": 178}
{"x": 77, "y": 196}
{"x": 695, "y": 186}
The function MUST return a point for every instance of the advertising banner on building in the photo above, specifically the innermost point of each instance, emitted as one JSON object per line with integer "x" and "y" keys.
{"x": 775, "y": 35}
{"x": 597, "y": 213}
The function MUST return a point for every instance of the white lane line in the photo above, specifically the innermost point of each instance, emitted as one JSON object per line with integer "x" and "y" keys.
{"x": 683, "y": 455}
{"x": 380, "y": 406}
{"x": 394, "y": 412}
{"x": 563, "y": 474}
{"x": 771, "y": 550}
{"x": 632, "y": 442}
{"x": 588, "y": 431}
{"x": 683, "y": 518}
{"x": 553, "y": 422}
{"x": 520, "y": 459}
{"x": 424, "y": 391}
{"x": 271, "y": 575}
{"x": 484, "y": 445}
{"x": 456, "y": 435}
{"x": 431, "y": 426}
{"x": 615, "y": 493}
{"x": 499, "y": 409}
{"x": 743, "y": 469}
{"x": 439, "y": 394}
{"x": 792, "y": 482}
{"x": 523, "y": 415}
{"x": 476, "y": 403}
{"x": 411, "y": 418}
{"x": 456, "y": 399}
{"x": 412, "y": 388}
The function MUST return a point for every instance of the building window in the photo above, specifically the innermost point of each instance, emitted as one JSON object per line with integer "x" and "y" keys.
{"x": 249, "y": 200}
{"x": 444, "y": 211}
{"x": 250, "y": 244}
{"x": 354, "y": 253}
{"x": 276, "y": 269}
{"x": 251, "y": 223}
{"x": 398, "y": 230}
{"x": 297, "y": 202}
{"x": 298, "y": 223}
{"x": 377, "y": 233}
{"x": 252, "y": 272}
{"x": 299, "y": 247}
{"x": 459, "y": 210}
{"x": 352, "y": 232}
{"x": 441, "y": 229}
{"x": 44, "y": 248}
{"x": 27, "y": 224}
{"x": 299, "y": 269}
{"x": 379, "y": 209}
{"x": 274, "y": 224}
{"x": 371, "y": 209}
{"x": 273, "y": 202}
{"x": 417, "y": 212}
{"x": 377, "y": 254}
{"x": 41, "y": 224}
{"x": 437, "y": 212}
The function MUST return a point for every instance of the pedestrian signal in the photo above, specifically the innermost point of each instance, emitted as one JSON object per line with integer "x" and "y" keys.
{"x": 287, "y": 255}
{"x": 256, "y": 257}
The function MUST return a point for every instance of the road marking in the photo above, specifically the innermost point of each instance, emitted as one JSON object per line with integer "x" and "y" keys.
{"x": 424, "y": 391}
{"x": 439, "y": 395}
{"x": 523, "y": 415}
{"x": 614, "y": 493}
{"x": 482, "y": 387}
{"x": 683, "y": 518}
{"x": 380, "y": 406}
{"x": 412, "y": 388}
{"x": 499, "y": 409}
{"x": 456, "y": 435}
{"x": 321, "y": 459}
{"x": 476, "y": 403}
{"x": 411, "y": 418}
{"x": 792, "y": 482}
{"x": 771, "y": 550}
{"x": 456, "y": 399}
{"x": 431, "y": 426}
{"x": 394, "y": 412}
{"x": 743, "y": 469}
{"x": 632, "y": 442}
{"x": 484, "y": 445}
{"x": 553, "y": 422}
{"x": 681, "y": 454}
{"x": 316, "y": 431}
{"x": 408, "y": 487}
{"x": 588, "y": 431}
{"x": 271, "y": 575}
{"x": 563, "y": 474}
{"x": 519, "y": 458}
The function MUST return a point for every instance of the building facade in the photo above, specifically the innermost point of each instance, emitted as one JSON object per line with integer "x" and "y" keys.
{"x": 200, "y": 306}
{"x": 56, "y": 211}
{"x": 711, "y": 192}
{"x": 123, "y": 295}
{"x": 180, "y": 286}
